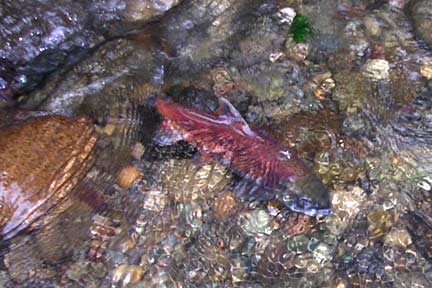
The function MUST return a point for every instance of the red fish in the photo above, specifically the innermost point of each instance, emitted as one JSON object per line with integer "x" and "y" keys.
{"x": 226, "y": 137}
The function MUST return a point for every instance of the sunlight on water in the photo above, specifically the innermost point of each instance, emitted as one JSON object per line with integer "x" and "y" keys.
{"x": 212, "y": 144}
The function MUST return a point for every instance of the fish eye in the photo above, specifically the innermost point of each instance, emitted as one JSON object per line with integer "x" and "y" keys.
{"x": 301, "y": 202}
{"x": 306, "y": 203}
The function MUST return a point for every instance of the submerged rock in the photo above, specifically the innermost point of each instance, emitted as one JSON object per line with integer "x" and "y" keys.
{"x": 43, "y": 163}
{"x": 127, "y": 176}
{"x": 421, "y": 12}
{"x": 255, "y": 223}
{"x": 85, "y": 273}
{"x": 354, "y": 100}
{"x": 276, "y": 261}
{"x": 380, "y": 222}
{"x": 376, "y": 69}
{"x": 40, "y": 37}
{"x": 184, "y": 181}
{"x": 137, "y": 10}
{"x": 111, "y": 87}
{"x": 398, "y": 238}
{"x": 42, "y": 160}
{"x": 127, "y": 274}
{"x": 119, "y": 69}
{"x": 426, "y": 70}
{"x": 29, "y": 28}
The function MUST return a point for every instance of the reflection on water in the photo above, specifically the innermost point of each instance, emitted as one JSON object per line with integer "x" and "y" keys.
{"x": 98, "y": 203}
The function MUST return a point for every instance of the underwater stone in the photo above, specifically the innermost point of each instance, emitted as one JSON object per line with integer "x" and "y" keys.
{"x": 297, "y": 223}
{"x": 421, "y": 11}
{"x": 116, "y": 258}
{"x": 322, "y": 85}
{"x": 155, "y": 200}
{"x": 86, "y": 273}
{"x": 105, "y": 84}
{"x": 322, "y": 253}
{"x": 400, "y": 4}
{"x": 138, "y": 151}
{"x": 426, "y": 70}
{"x": 142, "y": 11}
{"x": 348, "y": 201}
{"x": 37, "y": 254}
{"x": 346, "y": 205}
{"x": 372, "y": 26}
{"x": 186, "y": 181}
{"x": 43, "y": 159}
{"x": 380, "y": 222}
{"x": 256, "y": 222}
{"x": 27, "y": 29}
{"x": 304, "y": 261}
{"x": 127, "y": 176}
{"x": 297, "y": 51}
{"x": 403, "y": 90}
{"x": 276, "y": 261}
{"x": 351, "y": 90}
{"x": 298, "y": 244}
{"x": 286, "y": 15}
{"x": 273, "y": 57}
{"x": 376, "y": 69}
{"x": 238, "y": 269}
{"x": 192, "y": 213}
{"x": 223, "y": 82}
{"x": 224, "y": 204}
{"x": 101, "y": 232}
{"x": 127, "y": 274}
{"x": 398, "y": 238}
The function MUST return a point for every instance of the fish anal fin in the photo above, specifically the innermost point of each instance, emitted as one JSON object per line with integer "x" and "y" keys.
{"x": 202, "y": 159}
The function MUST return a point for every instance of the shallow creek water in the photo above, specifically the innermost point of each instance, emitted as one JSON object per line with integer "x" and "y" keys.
{"x": 90, "y": 198}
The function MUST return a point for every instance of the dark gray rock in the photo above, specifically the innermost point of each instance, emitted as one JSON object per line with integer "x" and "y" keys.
{"x": 422, "y": 15}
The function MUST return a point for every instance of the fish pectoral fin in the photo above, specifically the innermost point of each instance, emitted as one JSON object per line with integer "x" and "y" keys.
{"x": 202, "y": 159}
{"x": 249, "y": 190}
{"x": 167, "y": 135}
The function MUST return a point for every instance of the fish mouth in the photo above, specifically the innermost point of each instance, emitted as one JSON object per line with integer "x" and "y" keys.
{"x": 305, "y": 205}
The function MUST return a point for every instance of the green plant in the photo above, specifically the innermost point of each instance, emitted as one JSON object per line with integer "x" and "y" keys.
{"x": 301, "y": 28}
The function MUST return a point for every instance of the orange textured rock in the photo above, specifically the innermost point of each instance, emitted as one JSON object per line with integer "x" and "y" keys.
{"x": 42, "y": 160}
{"x": 224, "y": 204}
{"x": 127, "y": 176}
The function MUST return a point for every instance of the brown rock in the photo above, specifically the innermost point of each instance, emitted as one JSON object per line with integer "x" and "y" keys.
{"x": 224, "y": 204}
{"x": 127, "y": 176}
{"x": 41, "y": 161}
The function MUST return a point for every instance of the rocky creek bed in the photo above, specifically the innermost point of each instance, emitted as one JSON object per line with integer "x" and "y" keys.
{"x": 87, "y": 199}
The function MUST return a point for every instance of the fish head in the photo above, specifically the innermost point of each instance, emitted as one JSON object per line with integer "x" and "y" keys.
{"x": 307, "y": 195}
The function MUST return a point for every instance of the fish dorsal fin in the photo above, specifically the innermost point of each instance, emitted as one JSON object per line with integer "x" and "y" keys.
{"x": 230, "y": 115}
{"x": 226, "y": 109}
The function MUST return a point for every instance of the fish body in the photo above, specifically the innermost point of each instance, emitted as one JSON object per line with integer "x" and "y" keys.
{"x": 226, "y": 137}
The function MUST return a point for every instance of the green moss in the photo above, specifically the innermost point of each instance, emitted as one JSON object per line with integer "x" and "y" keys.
{"x": 301, "y": 28}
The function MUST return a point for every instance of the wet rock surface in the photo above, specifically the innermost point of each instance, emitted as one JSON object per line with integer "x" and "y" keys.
{"x": 41, "y": 37}
{"x": 33, "y": 181}
{"x": 353, "y": 101}
{"x": 422, "y": 13}
{"x": 40, "y": 191}
{"x": 38, "y": 27}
